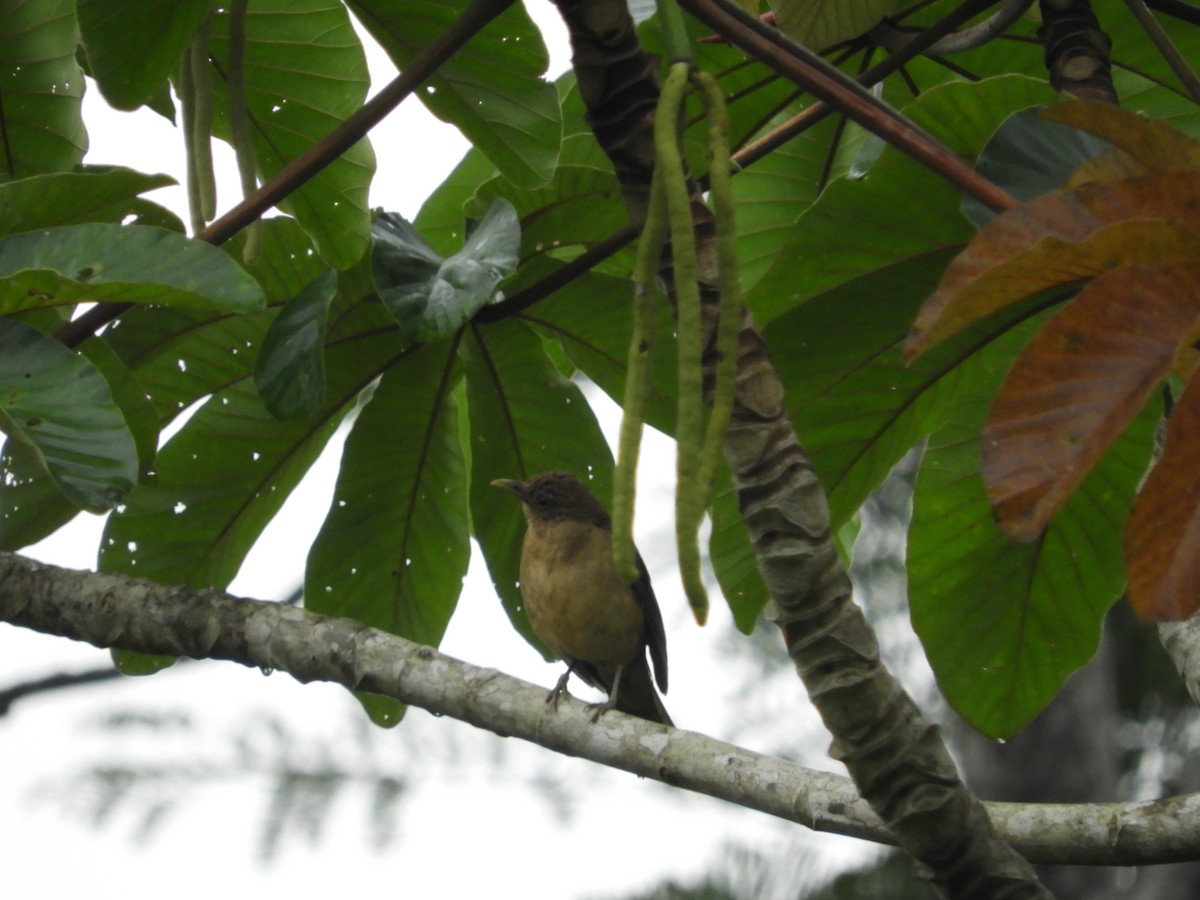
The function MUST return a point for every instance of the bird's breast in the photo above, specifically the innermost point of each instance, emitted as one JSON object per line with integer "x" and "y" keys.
{"x": 575, "y": 600}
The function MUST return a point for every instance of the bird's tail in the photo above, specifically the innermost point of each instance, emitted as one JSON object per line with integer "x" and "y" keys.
{"x": 636, "y": 694}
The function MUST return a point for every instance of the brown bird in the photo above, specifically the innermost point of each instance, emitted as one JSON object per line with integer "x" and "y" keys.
{"x": 577, "y": 603}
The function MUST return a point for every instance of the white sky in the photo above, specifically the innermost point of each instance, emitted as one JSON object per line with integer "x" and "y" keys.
{"x": 483, "y": 822}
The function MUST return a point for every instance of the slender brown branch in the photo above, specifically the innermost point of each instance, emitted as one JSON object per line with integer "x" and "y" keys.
{"x": 914, "y": 47}
{"x": 301, "y": 169}
{"x": 827, "y": 83}
{"x": 1179, "y": 65}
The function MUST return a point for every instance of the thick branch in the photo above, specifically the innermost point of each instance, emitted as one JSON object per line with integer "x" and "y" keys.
{"x": 118, "y": 611}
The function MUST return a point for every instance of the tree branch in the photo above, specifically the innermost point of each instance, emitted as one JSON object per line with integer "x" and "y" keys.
{"x": 109, "y": 610}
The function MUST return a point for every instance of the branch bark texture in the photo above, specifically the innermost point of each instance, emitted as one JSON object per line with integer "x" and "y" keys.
{"x": 109, "y": 610}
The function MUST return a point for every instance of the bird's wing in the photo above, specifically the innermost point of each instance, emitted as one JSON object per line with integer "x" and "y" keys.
{"x": 656, "y": 635}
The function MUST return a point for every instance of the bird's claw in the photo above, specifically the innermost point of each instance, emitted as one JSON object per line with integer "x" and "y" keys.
{"x": 558, "y": 690}
{"x": 601, "y": 708}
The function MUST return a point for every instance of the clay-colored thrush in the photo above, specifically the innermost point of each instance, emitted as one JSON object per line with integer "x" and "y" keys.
{"x": 578, "y": 605}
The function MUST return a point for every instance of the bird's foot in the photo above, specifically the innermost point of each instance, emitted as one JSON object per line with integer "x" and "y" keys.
{"x": 558, "y": 690}
{"x": 599, "y": 709}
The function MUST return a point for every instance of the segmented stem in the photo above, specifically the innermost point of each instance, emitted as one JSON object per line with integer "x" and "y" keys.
{"x": 637, "y": 379}
{"x": 721, "y": 194}
{"x": 239, "y": 121}
{"x": 202, "y": 92}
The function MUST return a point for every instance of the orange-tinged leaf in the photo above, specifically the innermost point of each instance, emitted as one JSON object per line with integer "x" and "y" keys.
{"x": 1152, "y": 143}
{"x": 1079, "y": 384}
{"x": 1162, "y": 534}
{"x": 1114, "y": 164}
{"x": 1187, "y": 357}
{"x": 1059, "y": 238}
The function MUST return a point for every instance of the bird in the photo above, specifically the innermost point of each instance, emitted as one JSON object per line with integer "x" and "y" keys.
{"x": 587, "y": 614}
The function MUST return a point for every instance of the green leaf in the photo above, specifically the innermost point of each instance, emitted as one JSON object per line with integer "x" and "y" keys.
{"x": 821, "y": 23}
{"x": 290, "y": 371}
{"x": 31, "y": 505}
{"x": 733, "y": 558}
{"x": 72, "y": 198}
{"x": 59, "y": 406}
{"x": 771, "y": 194}
{"x": 42, "y": 87}
{"x": 491, "y": 89}
{"x": 1028, "y": 156}
{"x": 305, "y": 73}
{"x": 856, "y": 404}
{"x": 429, "y": 296}
{"x": 592, "y": 319}
{"x": 1004, "y": 623}
{"x": 180, "y": 355}
{"x": 228, "y": 470}
{"x": 129, "y": 264}
{"x": 442, "y": 219}
{"x": 525, "y": 418}
{"x": 159, "y": 31}
{"x": 580, "y": 206}
{"x": 877, "y": 211}
{"x": 395, "y": 546}
{"x": 130, "y": 396}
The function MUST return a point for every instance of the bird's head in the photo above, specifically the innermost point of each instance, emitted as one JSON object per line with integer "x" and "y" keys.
{"x": 556, "y": 496}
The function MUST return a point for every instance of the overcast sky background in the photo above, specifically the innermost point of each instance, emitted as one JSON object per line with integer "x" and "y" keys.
{"x": 478, "y": 813}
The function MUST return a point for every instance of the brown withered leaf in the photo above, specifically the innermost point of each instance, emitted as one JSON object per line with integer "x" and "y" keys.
{"x": 1162, "y": 534}
{"x": 1153, "y": 145}
{"x": 1060, "y": 238}
{"x": 1079, "y": 384}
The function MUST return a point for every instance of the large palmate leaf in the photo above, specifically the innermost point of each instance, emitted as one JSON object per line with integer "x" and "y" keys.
{"x": 1060, "y": 238}
{"x": 901, "y": 210}
{"x": 305, "y": 73}
{"x": 592, "y": 320}
{"x": 820, "y": 23}
{"x": 159, "y": 31}
{"x": 856, "y": 405}
{"x": 771, "y": 194}
{"x": 1004, "y": 623}
{"x": 225, "y": 474}
{"x": 128, "y": 264}
{"x": 1162, "y": 536}
{"x": 394, "y": 548}
{"x": 525, "y": 418}
{"x": 1030, "y": 155}
{"x": 72, "y": 198}
{"x": 580, "y": 206}
{"x": 59, "y": 407}
{"x": 490, "y": 90}
{"x": 1078, "y": 385}
{"x": 42, "y": 87}
{"x": 442, "y": 219}
{"x": 180, "y": 355}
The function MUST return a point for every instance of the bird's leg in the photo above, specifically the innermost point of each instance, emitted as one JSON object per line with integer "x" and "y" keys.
{"x": 559, "y": 689}
{"x": 602, "y": 708}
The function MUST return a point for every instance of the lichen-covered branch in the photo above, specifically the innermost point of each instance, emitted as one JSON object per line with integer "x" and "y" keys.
{"x": 896, "y": 758}
{"x": 109, "y": 610}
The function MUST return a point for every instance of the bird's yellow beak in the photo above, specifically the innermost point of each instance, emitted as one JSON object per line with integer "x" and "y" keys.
{"x": 506, "y": 483}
